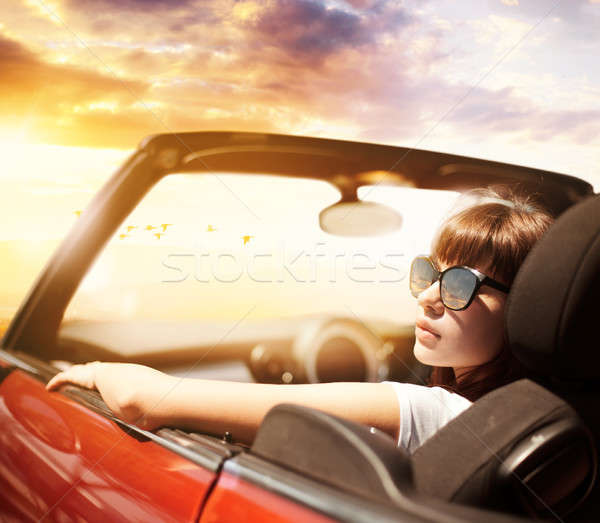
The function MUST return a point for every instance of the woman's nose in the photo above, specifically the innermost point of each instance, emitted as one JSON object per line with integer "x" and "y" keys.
{"x": 430, "y": 299}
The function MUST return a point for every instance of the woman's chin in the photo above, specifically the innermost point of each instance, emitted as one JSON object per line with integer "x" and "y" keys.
{"x": 425, "y": 353}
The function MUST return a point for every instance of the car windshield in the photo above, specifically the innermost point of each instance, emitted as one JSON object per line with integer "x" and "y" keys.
{"x": 202, "y": 253}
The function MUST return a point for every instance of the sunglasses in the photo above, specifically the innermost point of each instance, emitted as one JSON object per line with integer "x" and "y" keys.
{"x": 458, "y": 284}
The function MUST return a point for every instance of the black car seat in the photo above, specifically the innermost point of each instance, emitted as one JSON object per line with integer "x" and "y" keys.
{"x": 532, "y": 445}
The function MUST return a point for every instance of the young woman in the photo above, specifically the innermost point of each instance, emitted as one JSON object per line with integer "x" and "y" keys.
{"x": 461, "y": 288}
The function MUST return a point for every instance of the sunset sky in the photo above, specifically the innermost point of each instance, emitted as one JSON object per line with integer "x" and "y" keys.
{"x": 83, "y": 81}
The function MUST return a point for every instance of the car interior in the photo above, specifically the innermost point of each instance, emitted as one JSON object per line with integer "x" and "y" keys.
{"x": 528, "y": 449}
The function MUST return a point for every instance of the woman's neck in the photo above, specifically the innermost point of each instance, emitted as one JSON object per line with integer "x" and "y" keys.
{"x": 461, "y": 372}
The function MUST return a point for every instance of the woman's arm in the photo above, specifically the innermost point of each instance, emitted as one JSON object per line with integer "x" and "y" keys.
{"x": 150, "y": 399}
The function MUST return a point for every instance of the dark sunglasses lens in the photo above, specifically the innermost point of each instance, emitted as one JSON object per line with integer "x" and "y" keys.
{"x": 422, "y": 276}
{"x": 457, "y": 287}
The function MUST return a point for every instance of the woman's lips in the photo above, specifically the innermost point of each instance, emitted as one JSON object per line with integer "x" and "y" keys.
{"x": 424, "y": 329}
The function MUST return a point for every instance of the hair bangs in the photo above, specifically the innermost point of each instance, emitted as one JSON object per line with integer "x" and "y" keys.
{"x": 492, "y": 237}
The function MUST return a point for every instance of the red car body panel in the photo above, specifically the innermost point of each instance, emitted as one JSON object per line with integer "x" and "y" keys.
{"x": 60, "y": 460}
{"x": 236, "y": 500}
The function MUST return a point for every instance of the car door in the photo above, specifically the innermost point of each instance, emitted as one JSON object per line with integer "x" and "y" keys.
{"x": 63, "y": 459}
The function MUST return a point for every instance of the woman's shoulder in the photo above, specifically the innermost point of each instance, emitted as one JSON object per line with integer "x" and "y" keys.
{"x": 424, "y": 410}
{"x": 423, "y": 402}
{"x": 427, "y": 393}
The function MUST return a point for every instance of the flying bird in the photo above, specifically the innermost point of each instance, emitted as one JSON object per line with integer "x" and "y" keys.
{"x": 247, "y": 238}
{"x": 123, "y": 236}
{"x": 131, "y": 227}
{"x": 158, "y": 234}
{"x": 150, "y": 227}
{"x": 165, "y": 225}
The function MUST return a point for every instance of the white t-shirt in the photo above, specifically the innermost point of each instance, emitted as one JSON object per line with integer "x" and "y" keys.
{"x": 423, "y": 411}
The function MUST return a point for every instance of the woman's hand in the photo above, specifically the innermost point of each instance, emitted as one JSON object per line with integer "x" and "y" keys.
{"x": 131, "y": 391}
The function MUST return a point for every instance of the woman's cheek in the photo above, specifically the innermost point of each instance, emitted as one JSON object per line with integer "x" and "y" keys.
{"x": 483, "y": 337}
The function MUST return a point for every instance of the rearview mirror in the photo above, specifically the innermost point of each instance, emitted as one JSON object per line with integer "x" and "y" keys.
{"x": 359, "y": 218}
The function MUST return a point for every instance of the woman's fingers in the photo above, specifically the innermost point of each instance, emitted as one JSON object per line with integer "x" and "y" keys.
{"x": 82, "y": 375}
{"x": 58, "y": 380}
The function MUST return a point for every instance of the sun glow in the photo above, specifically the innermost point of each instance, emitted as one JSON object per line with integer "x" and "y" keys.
{"x": 104, "y": 106}
{"x": 41, "y": 189}
{"x": 43, "y": 185}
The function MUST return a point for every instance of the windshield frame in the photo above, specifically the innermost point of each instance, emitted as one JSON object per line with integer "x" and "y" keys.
{"x": 35, "y": 326}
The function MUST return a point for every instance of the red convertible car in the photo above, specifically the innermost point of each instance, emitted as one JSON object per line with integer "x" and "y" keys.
{"x": 283, "y": 259}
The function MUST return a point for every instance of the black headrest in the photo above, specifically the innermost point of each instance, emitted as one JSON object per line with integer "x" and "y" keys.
{"x": 552, "y": 314}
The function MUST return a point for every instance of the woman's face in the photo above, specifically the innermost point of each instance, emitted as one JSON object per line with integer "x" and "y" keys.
{"x": 459, "y": 339}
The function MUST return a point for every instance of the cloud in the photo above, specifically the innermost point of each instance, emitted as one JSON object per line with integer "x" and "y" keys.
{"x": 360, "y": 4}
{"x": 580, "y": 16}
{"x": 11, "y": 51}
{"x": 502, "y": 111}
{"x": 126, "y": 5}
{"x": 57, "y": 101}
{"x": 308, "y": 30}
{"x": 24, "y": 74}
{"x": 372, "y": 70}
{"x": 271, "y": 66}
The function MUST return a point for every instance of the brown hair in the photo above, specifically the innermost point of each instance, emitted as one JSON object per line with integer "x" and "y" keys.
{"x": 495, "y": 232}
